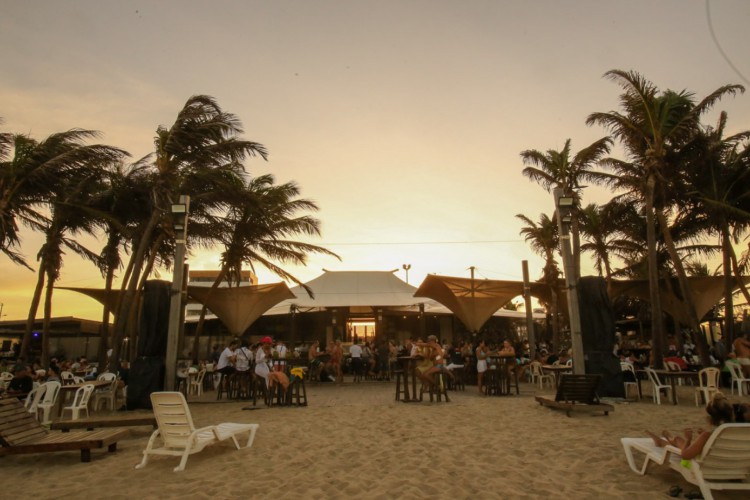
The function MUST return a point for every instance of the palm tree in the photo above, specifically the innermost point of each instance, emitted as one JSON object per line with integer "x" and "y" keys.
{"x": 717, "y": 182}
{"x": 201, "y": 156}
{"x": 652, "y": 128}
{"x": 544, "y": 240}
{"x": 45, "y": 175}
{"x": 601, "y": 227}
{"x": 256, "y": 231}
{"x": 556, "y": 169}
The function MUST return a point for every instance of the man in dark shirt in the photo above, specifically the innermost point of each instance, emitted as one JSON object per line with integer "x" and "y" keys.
{"x": 21, "y": 384}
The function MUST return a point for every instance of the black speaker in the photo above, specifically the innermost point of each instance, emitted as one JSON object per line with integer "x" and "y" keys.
{"x": 146, "y": 376}
{"x": 147, "y": 370}
{"x": 598, "y": 332}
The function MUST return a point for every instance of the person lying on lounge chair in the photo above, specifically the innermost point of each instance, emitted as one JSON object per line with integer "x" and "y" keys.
{"x": 720, "y": 411}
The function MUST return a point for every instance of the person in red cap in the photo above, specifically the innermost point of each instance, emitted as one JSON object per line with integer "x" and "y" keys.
{"x": 263, "y": 365}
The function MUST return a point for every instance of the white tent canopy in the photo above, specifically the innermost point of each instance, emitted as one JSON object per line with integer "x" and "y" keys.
{"x": 375, "y": 289}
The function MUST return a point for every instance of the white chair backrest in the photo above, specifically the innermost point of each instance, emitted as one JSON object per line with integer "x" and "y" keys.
{"x": 108, "y": 376}
{"x": 199, "y": 377}
{"x": 33, "y": 398}
{"x": 66, "y": 376}
{"x": 726, "y": 454}
{"x": 41, "y": 373}
{"x": 536, "y": 368}
{"x": 735, "y": 370}
{"x": 654, "y": 377}
{"x": 83, "y": 394}
{"x": 6, "y": 376}
{"x": 709, "y": 378}
{"x": 78, "y": 380}
{"x": 673, "y": 366}
{"x": 173, "y": 417}
{"x": 626, "y": 367}
{"x": 51, "y": 392}
{"x": 569, "y": 362}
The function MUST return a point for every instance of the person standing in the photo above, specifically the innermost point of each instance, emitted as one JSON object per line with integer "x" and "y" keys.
{"x": 482, "y": 352}
{"x": 742, "y": 350}
{"x": 356, "y": 353}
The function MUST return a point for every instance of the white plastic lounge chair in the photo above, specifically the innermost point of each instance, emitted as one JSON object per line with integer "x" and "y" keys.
{"x": 738, "y": 379}
{"x": 708, "y": 384}
{"x": 80, "y": 401}
{"x": 179, "y": 436}
{"x": 658, "y": 386}
{"x": 724, "y": 463}
{"x": 51, "y": 392}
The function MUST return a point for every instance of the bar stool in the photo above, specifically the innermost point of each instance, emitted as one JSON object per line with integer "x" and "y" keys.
{"x": 492, "y": 382}
{"x": 439, "y": 386}
{"x": 296, "y": 393}
{"x": 399, "y": 374}
{"x": 457, "y": 382}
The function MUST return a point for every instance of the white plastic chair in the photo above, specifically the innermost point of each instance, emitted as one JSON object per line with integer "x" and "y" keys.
{"x": 658, "y": 387}
{"x": 67, "y": 377}
{"x": 179, "y": 436}
{"x": 52, "y": 390}
{"x": 674, "y": 367}
{"x": 738, "y": 379}
{"x": 539, "y": 377}
{"x": 108, "y": 395}
{"x": 5, "y": 378}
{"x": 78, "y": 380}
{"x": 708, "y": 383}
{"x": 80, "y": 401}
{"x": 33, "y": 399}
{"x": 196, "y": 383}
{"x": 627, "y": 367}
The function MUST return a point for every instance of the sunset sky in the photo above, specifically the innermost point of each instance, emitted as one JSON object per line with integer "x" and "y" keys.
{"x": 403, "y": 120}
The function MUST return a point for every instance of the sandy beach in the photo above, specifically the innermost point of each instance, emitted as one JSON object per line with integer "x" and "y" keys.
{"x": 355, "y": 440}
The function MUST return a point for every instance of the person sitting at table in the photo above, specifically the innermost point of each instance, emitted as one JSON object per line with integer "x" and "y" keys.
{"x": 53, "y": 374}
{"x": 264, "y": 366}
{"x": 21, "y": 384}
{"x": 383, "y": 360}
{"x": 482, "y": 352}
{"x": 433, "y": 353}
{"x": 455, "y": 358}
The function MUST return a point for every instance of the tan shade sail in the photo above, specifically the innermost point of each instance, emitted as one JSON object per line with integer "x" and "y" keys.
{"x": 239, "y": 307}
{"x": 109, "y": 298}
{"x": 707, "y": 292}
{"x": 473, "y": 301}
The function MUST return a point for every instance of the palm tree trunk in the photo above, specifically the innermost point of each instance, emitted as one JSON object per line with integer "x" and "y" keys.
{"x": 657, "y": 326}
{"x": 47, "y": 319}
{"x": 130, "y": 287}
{"x": 687, "y": 292}
{"x": 31, "y": 318}
{"x": 726, "y": 249}
{"x": 738, "y": 278}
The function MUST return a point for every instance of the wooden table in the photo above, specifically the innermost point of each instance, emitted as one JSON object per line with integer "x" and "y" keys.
{"x": 557, "y": 370}
{"x": 501, "y": 363}
{"x": 672, "y": 377}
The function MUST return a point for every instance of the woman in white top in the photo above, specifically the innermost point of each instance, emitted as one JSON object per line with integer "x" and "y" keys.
{"x": 262, "y": 365}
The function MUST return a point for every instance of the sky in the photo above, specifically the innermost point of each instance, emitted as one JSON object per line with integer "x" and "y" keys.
{"x": 403, "y": 120}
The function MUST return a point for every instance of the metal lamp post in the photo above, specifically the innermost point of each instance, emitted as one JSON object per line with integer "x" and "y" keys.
{"x": 406, "y": 268}
{"x": 180, "y": 213}
{"x": 564, "y": 207}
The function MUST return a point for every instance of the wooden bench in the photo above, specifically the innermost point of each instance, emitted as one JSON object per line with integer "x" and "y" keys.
{"x": 21, "y": 433}
{"x": 576, "y": 393}
{"x": 93, "y": 423}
